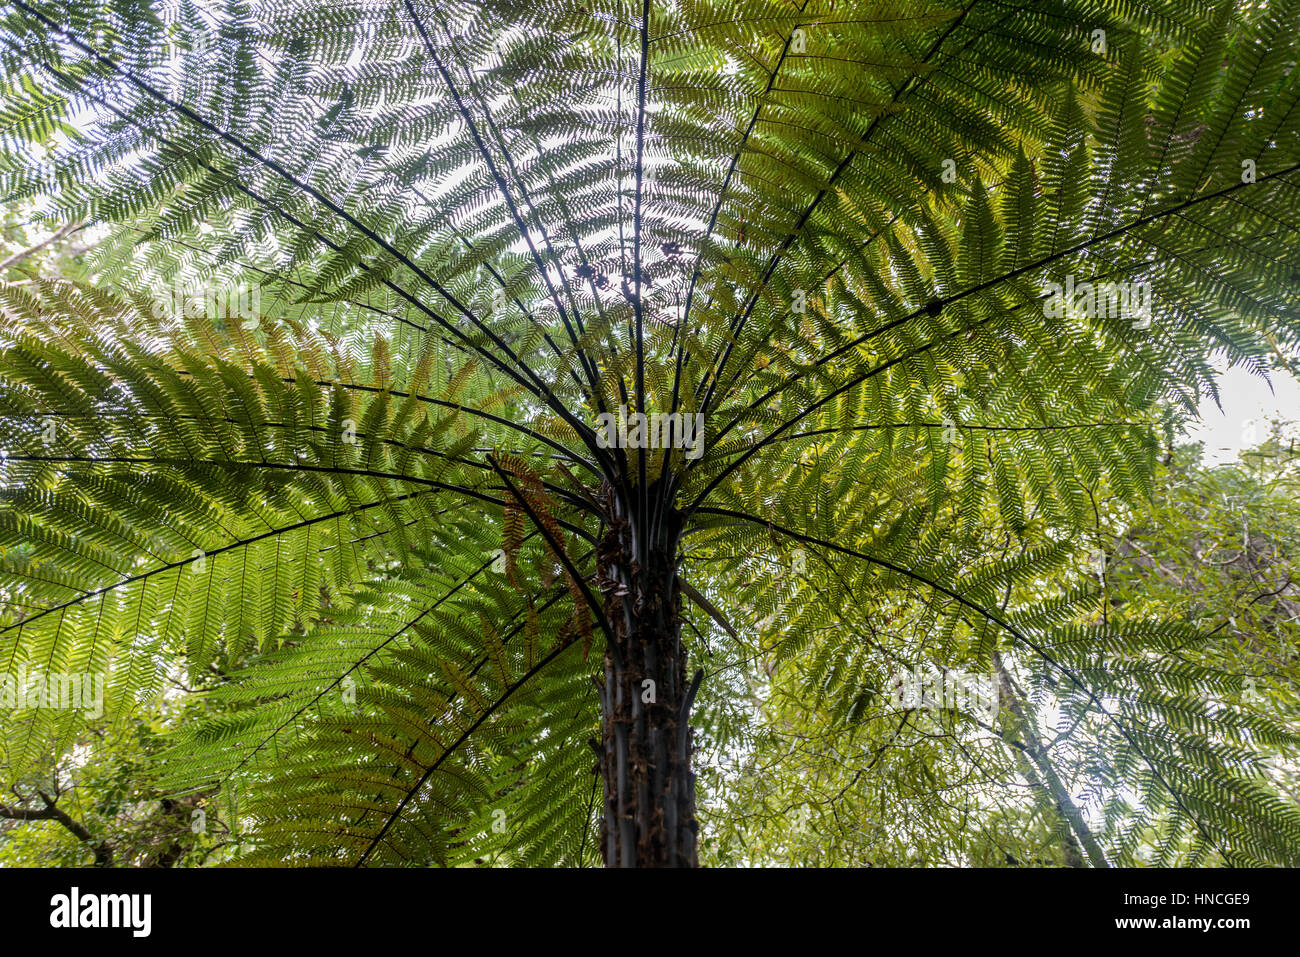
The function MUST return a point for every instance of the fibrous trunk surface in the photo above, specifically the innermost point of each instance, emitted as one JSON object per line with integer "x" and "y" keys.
{"x": 645, "y": 754}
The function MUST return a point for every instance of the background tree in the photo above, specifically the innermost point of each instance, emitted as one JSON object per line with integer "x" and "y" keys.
{"x": 377, "y": 491}
{"x": 887, "y": 785}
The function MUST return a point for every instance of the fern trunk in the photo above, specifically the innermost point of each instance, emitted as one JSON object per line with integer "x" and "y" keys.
{"x": 645, "y": 755}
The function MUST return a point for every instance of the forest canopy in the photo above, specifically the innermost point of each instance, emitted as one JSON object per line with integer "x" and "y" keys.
{"x": 660, "y": 434}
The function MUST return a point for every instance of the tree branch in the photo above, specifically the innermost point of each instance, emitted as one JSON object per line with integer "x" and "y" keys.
{"x": 103, "y": 851}
{"x": 59, "y": 233}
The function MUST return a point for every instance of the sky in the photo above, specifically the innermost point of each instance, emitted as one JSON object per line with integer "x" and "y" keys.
{"x": 1248, "y": 405}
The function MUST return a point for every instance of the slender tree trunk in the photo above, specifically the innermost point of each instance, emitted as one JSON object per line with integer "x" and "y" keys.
{"x": 645, "y": 753}
{"x": 1049, "y": 780}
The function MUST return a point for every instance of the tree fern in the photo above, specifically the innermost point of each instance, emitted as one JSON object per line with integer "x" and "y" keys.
{"x": 373, "y": 519}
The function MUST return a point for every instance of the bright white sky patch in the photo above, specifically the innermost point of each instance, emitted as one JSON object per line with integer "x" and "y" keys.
{"x": 1248, "y": 408}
